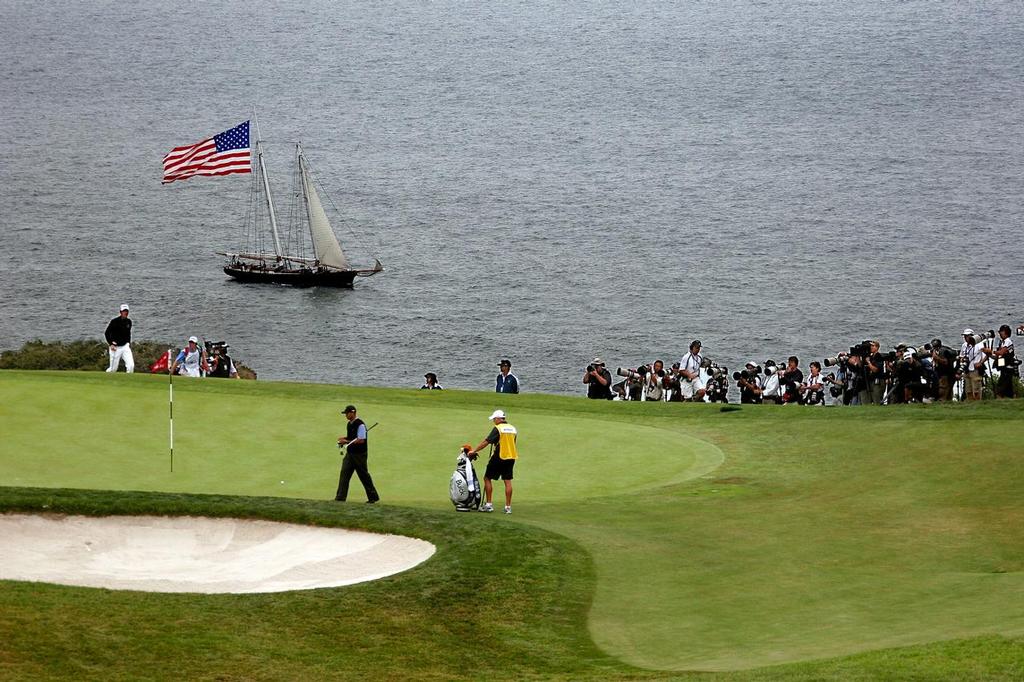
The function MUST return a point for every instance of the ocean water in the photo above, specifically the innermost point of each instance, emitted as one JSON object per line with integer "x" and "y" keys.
{"x": 543, "y": 181}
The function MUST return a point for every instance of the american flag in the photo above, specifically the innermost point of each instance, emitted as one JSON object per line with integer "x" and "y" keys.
{"x": 222, "y": 154}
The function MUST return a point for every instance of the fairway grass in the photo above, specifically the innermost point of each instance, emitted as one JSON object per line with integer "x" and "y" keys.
{"x": 647, "y": 540}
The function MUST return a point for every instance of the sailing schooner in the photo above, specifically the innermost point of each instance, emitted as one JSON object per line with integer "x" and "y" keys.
{"x": 328, "y": 265}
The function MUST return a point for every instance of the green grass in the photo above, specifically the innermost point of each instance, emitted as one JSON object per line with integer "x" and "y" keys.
{"x": 648, "y": 540}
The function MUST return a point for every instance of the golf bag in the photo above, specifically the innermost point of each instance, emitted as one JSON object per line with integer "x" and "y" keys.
{"x": 465, "y": 486}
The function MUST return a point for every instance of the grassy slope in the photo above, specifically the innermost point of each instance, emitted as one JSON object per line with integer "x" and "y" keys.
{"x": 823, "y": 533}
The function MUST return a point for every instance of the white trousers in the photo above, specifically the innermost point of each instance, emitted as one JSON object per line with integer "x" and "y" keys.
{"x": 122, "y": 352}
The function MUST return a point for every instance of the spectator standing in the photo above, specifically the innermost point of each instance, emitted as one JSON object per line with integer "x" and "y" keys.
{"x": 506, "y": 381}
{"x": 356, "y": 456}
{"x": 502, "y": 439}
{"x": 119, "y": 341}
{"x": 191, "y": 360}
{"x": 598, "y": 380}
{"x": 430, "y": 382}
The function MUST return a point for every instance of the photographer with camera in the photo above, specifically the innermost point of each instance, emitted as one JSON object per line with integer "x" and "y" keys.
{"x": 812, "y": 390}
{"x": 221, "y": 365}
{"x": 632, "y": 385}
{"x": 944, "y": 365}
{"x": 971, "y": 365}
{"x": 691, "y": 386}
{"x": 874, "y": 373}
{"x": 655, "y": 387}
{"x": 790, "y": 380}
{"x": 769, "y": 388}
{"x": 748, "y": 381}
{"x": 908, "y": 376}
{"x": 598, "y": 380}
{"x": 716, "y": 388}
{"x": 1005, "y": 362}
{"x": 849, "y": 375}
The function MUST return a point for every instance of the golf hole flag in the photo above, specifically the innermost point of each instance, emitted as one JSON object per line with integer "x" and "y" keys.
{"x": 161, "y": 365}
{"x": 222, "y": 154}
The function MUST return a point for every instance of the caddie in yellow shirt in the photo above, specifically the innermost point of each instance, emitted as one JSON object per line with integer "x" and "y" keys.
{"x": 503, "y": 458}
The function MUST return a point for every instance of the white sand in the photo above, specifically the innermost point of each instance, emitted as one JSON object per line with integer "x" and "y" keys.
{"x": 187, "y": 554}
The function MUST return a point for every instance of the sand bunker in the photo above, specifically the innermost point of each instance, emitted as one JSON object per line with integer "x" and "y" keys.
{"x": 185, "y": 554}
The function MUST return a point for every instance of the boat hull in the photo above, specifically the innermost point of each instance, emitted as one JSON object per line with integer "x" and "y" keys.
{"x": 297, "y": 277}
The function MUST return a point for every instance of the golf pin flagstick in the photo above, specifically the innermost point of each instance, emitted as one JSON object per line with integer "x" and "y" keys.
{"x": 341, "y": 446}
{"x": 170, "y": 404}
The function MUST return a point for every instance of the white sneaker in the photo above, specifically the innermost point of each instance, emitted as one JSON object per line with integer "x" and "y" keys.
{"x": 508, "y": 510}
{"x": 487, "y": 507}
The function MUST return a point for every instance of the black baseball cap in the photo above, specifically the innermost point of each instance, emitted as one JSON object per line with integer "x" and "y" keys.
{"x": 504, "y": 363}
{"x": 349, "y": 408}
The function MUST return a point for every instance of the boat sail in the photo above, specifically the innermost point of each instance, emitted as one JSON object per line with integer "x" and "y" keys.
{"x": 328, "y": 265}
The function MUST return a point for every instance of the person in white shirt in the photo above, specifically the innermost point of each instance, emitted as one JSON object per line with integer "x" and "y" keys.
{"x": 191, "y": 360}
{"x": 974, "y": 364}
{"x": 812, "y": 390}
{"x": 770, "y": 391}
{"x": 691, "y": 386}
{"x": 1005, "y": 361}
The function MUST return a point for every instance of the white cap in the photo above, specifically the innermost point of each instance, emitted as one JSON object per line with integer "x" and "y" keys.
{"x": 193, "y": 339}
{"x": 968, "y": 331}
{"x": 124, "y": 306}
{"x": 751, "y": 363}
{"x": 497, "y": 414}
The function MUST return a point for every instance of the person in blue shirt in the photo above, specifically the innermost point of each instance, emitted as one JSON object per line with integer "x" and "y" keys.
{"x": 506, "y": 381}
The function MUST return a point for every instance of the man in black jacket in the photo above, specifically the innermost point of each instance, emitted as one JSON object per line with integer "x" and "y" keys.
{"x": 598, "y": 380}
{"x": 119, "y": 338}
{"x": 355, "y": 458}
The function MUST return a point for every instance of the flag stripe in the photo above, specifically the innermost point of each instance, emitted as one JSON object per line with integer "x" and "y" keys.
{"x": 208, "y": 160}
{"x": 223, "y": 154}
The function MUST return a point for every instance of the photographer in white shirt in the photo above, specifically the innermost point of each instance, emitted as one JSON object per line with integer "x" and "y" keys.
{"x": 973, "y": 359}
{"x": 691, "y": 386}
{"x": 1005, "y": 362}
{"x": 770, "y": 390}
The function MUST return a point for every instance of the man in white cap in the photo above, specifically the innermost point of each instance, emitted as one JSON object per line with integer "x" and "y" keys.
{"x": 119, "y": 340}
{"x": 502, "y": 439}
{"x": 191, "y": 361}
{"x": 749, "y": 384}
{"x": 974, "y": 366}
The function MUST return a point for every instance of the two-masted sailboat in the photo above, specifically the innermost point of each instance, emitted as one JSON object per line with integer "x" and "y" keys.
{"x": 288, "y": 263}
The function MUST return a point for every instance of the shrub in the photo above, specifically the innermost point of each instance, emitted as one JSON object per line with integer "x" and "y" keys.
{"x": 89, "y": 356}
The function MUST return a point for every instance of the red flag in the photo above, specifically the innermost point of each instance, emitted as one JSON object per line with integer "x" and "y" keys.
{"x": 162, "y": 364}
{"x": 222, "y": 154}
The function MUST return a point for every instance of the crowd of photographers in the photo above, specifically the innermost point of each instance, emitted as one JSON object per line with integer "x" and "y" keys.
{"x": 863, "y": 375}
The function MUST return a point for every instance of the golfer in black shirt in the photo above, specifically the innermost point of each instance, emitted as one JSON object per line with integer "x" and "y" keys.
{"x": 119, "y": 338}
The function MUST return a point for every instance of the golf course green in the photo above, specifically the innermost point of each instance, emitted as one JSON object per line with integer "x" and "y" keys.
{"x": 648, "y": 540}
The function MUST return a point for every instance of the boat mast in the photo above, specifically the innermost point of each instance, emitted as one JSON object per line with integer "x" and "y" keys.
{"x": 266, "y": 186}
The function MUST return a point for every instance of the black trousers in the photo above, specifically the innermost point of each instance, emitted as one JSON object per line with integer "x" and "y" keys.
{"x": 355, "y": 463}
{"x": 1004, "y": 388}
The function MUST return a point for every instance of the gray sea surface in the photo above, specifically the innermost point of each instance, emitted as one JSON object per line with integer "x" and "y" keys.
{"x": 543, "y": 181}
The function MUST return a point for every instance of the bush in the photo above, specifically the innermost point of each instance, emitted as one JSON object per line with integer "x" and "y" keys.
{"x": 89, "y": 356}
